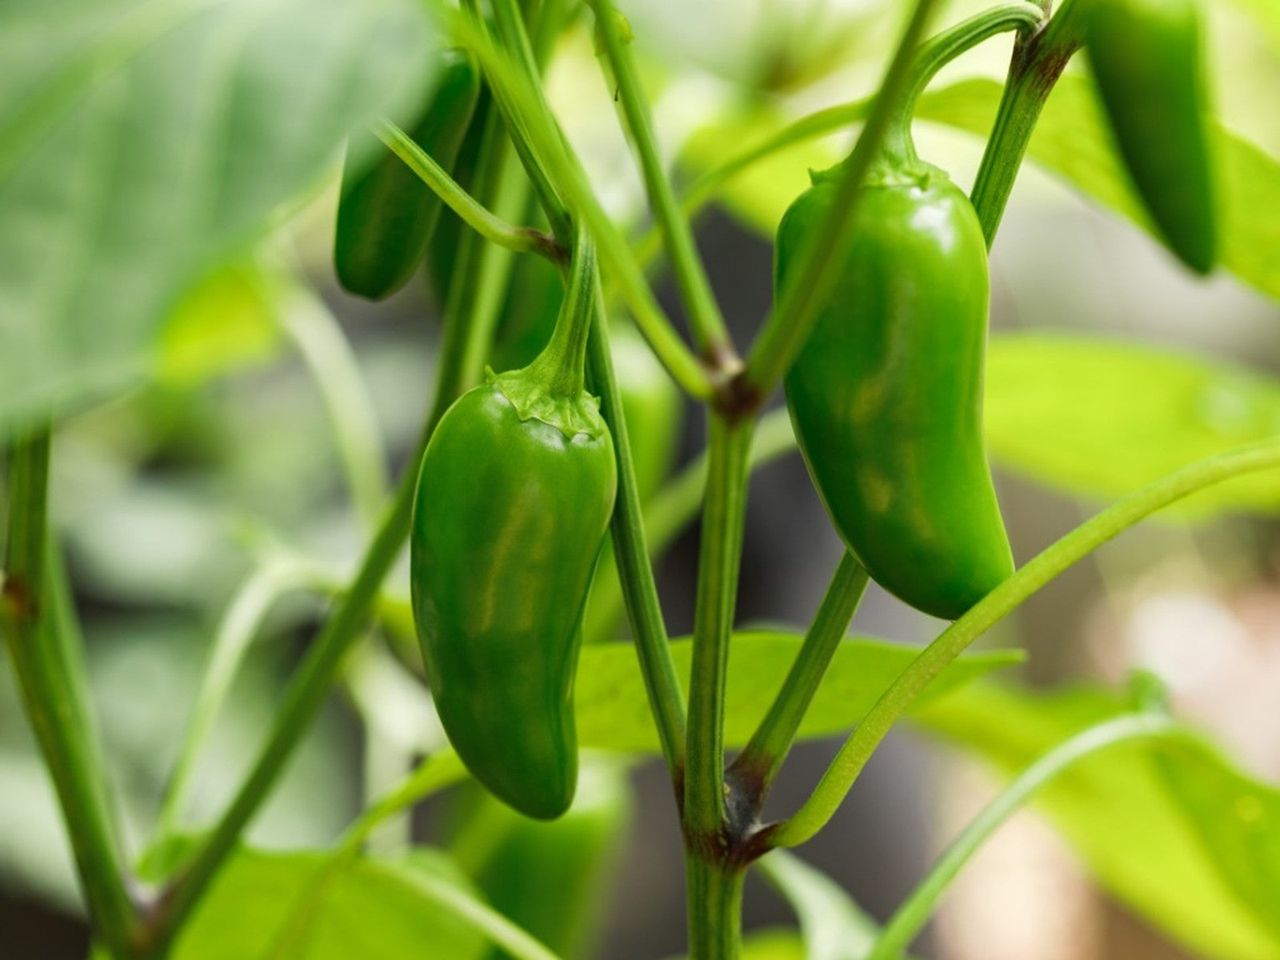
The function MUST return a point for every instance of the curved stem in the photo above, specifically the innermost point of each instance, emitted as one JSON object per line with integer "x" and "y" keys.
{"x": 40, "y": 634}
{"x": 327, "y": 354}
{"x": 719, "y": 556}
{"x": 231, "y": 641}
{"x": 940, "y": 51}
{"x": 818, "y": 266}
{"x": 700, "y": 303}
{"x": 490, "y": 226}
{"x": 631, "y": 554}
{"x": 759, "y": 762}
{"x": 998, "y": 604}
{"x": 613, "y": 249}
{"x": 561, "y": 363}
{"x": 513, "y": 941}
{"x": 910, "y": 918}
{"x": 1038, "y": 62}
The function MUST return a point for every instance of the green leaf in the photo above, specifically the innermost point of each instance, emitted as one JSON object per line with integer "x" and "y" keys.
{"x": 142, "y": 143}
{"x": 613, "y": 710}
{"x": 1177, "y": 832}
{"x": 773, "y": 945}
{"x": 760, "y": 194}
{"x": 367, "y": 908}
{"x": 228, "y": 321}
{"x": 1104, "y": 418}
{"x": 834, "y": 927}
{"x": 1071, "y": 141}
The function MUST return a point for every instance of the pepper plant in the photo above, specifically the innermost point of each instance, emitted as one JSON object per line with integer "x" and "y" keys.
{"x": 533, "y": 501}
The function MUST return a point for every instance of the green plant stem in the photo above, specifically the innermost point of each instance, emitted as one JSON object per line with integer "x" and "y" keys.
{"x": 490, "y": 226}
{"x": 759, "y": 762}
{"x": 513, "y": 941}
{"x": 612, "y": 247}
{"x": 672, "y": 508}
{"x": 514, "y": 39}
{"x": 432, "y": 775}
{"x": 931, "y": 661}
{"x": 941, "y": 50}
{"x": 1038, "y": 62}
{"x": 818, "y": 265}
{"x": 561, "y": 364}
{"x": 910, "y": 918}
{"x": 714, "y": 898}
{"x": 328, "y": 356}
{"x": 39, "y": 630}
{"x": 231, "y": 641}
{"x": 720, "y": 551}
{"x": 474, "y": 297}
{"x": 631, "y": 554}
{"x": 700, "y": 303}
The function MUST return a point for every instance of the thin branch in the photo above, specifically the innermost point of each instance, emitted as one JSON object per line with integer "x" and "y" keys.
{"x": 704, "y": 314}
{"x": 910, "y": 918}
{"x": 931, "y": 661}
{"x": 40, "y": 632}
{"x": 473, "y": 213}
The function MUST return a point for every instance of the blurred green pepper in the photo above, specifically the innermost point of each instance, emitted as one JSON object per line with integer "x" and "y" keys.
{"x": 1148, "y": 59}
{"x": 386, "y": 215}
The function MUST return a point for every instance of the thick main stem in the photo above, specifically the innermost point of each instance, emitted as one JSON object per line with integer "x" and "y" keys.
{"x": 714, "y": 903}
{"x": 723, "y": 518}
{"x": 38, "y": 628}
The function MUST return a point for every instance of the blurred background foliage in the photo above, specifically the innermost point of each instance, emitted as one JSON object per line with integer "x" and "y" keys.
{"x": 228, "y": 420}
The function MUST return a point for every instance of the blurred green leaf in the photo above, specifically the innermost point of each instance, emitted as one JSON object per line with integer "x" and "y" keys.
{"x": 369, "y": 908}
{"x": 143, "y": 143}
{"x": 613, "y": 710}
{"x": 834, "y": 927}
{"x": 1176, "y": 832}
{"x": 1266, "y": 13}
{"x": 1104, "y": 418}
{"x": 773, "y": 945}
{"x": 1071, "y": 141}
{"x": 224, "y": 323}
{"x": 760, "y": 194}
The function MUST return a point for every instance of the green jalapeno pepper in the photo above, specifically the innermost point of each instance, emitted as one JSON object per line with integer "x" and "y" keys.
{"x": 386, "y": 214}
{"x": 1147, "y": 57}
{"x": 886, "y": 396}
{"x": 513, "y": 502}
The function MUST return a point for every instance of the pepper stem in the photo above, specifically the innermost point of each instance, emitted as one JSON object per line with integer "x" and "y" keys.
{"x": 561, "y": 366}
{"x": 899, "y": 150}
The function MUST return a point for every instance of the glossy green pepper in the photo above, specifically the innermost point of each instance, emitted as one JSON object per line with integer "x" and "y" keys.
{"x": 547, "y": 878}
{"x": 386, "y": 214}
{"x": 886, "y": 396}
{"x": 1147, "y": 57}
{"x": 651, "y": 402}
{"x": 513, "y": 502}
